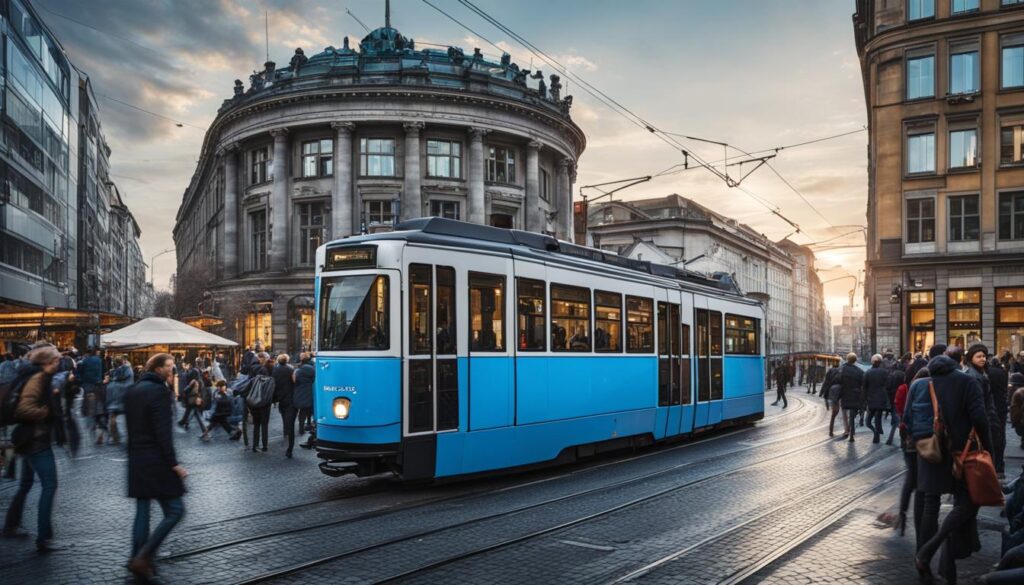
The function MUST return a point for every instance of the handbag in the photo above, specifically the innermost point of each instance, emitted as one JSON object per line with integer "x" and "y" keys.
{"x": 974, "y": 466}
{"x": 932, "y": 448}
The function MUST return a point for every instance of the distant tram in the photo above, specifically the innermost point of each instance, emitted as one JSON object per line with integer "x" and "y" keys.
{"x": 446, "y": 348}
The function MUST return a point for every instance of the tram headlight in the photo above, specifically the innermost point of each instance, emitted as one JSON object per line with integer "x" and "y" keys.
{"x": 342, "y": 407}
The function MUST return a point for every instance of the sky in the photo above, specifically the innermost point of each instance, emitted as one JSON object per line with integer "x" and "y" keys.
{"x": 754, "y": 74}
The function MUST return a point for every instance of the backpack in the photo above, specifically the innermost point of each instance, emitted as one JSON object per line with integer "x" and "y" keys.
{"x": 10, "y": 395}
{"x": 261, "y": 392}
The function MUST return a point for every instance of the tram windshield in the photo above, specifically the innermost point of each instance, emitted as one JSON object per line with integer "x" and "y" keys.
{"x": 354, "y": 313}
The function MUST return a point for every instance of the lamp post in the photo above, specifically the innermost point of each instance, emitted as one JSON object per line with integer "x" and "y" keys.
{"x": 152, "y": 259}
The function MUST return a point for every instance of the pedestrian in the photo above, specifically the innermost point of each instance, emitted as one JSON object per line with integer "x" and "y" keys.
{"x": 193, "y": 401}
{"x": 851, "y": 396}
{"x": 153, "y": 469}
{"x": 122, "y": 377}
{"x": 998, "y": 381}
{"x": 222, "y": 407}
{"x": 1018, "y": 364}
{"x": 303, "y": 393}
{"x": 89, "y": 374}
{"x": 782, "y": 378}
{"x": 962, "y": 407}
{"x": 915, "y": 365}
{"x": 260, "y": 415}
{"x": 38, "y": 413}
{"x": 831, "y": 389}
{"x": 975, "y": 361}
{"x": 909, "y": 449}
{"x": 225, "y": 366}
{"x": 1017, "y": 405}
{"x": 875, "y": 395}
{"x": 284, "y": 397}
{"x": 892, "y": 386}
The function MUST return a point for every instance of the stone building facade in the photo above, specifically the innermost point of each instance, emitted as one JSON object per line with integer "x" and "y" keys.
{"x": 944, "y": 88}
{"x": 350, "y": 141}
{"x": 678, "y": 231}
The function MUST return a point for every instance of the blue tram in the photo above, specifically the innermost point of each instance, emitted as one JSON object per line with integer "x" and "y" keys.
{"x": 446, "y": 348}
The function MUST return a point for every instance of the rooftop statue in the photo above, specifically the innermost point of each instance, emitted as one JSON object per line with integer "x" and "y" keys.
{"x": 556, "y": 88}
{"x": 298, "y": 60}
{"x": 456, "y": 55}
{"x": 239, "y": 88}
{"x": 255, "y": 81}
{"x": 506, "y": 60}
{"x": 345, "y": 46}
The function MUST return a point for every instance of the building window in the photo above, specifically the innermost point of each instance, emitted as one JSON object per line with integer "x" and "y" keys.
{"x": 1010, "y": 320}
{"x": 920, "y": 220}
{"x": 964, "y": 6}
{"x": 921, "y": 153}
{"x": 377, "y": 157}
{"x": 963, "y": 71}
{"x": 380, "y": 212}
{"x": 1010, "y": 140}
{"x": 1013, "y": 63}
{"x": 921, "y": 77}
{"x": 545, "y": 185}
{"x": 260, "y": 158}
{"x": 444, "y": 159}
{"x": 918, "y": 9}
{"x": 501, "y": 164}
{"x": 318, "y": 158}
{"x": 486, "y": 312}
{"x": 311, "y": 230}
{"x": 964, "y": 317}
{"x": 258, "y": 240}
{"x": 530, "y": 301}
{"x": 570, "y": 318}
{"x": 964, "y": 222}
{"x": 963, "y": 149}
{"x": 259, "y": 326}
{"x": 1011, "y": 216}
{"x": 922, "y": 320}
{"x": 607, "y": 322}
{"x": 446, "y": 209}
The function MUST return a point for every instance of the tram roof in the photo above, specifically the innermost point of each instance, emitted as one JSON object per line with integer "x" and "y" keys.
{"x": 454, "y": 233}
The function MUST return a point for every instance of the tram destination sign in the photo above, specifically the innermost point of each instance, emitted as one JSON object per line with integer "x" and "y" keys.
{"x": 350, "y": 258}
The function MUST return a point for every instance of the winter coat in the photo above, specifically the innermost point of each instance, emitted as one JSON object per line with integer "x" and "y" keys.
{"x": 899, "y": 402}
{"x": 914, "y": 366}
{"x": 851, "y": 379}
{"x": 248, "y": 361}
{"x": 284, "y": 387}
{"x": 121, "y": 379}
{"x": 962, "y": 405}
{"x": 304, "y": 376}
{"x": 151, "y": 457}
{"x": 221, "y": 404}
{"x": 8, "y": 370}
{"x": 986, "y": 391}
{"x": 998, "y": 381}
{"x": 1017, "y": 406}
{"x": 90, "y": 371}
{"x": 893, "y": 383}
{"x": 874, "y": 384}
{"x": 36, "y": 411}
{"x": 782, "y": 375}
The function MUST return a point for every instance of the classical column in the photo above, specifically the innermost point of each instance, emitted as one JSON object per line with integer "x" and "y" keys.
{"x": 341, "y": 195}
{"x": 230, "y": 248}
{"x": 412, "y": 198}
{"x": 279, "y": 203}
{"x": 475, "y": 178}
{"x": 534, "y": 215}
{"x": 563, "y": 229}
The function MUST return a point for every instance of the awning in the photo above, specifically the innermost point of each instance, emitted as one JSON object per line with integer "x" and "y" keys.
{"x": 162, "y": 331}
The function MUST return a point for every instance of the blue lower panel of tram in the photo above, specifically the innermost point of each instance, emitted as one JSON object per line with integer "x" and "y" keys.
{"x": 374, "y": 387}
{"x": 744, "y": 387}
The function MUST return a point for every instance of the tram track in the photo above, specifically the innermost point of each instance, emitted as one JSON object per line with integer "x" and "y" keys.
{"x": 467, "y": 496}
{"x": 303, "y": 566}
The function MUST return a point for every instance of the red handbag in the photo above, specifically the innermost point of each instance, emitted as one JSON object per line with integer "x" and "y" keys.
{"x": 974, "y": 466}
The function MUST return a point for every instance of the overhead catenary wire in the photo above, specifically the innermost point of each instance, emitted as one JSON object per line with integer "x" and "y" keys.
{"x": 178, "y": 123}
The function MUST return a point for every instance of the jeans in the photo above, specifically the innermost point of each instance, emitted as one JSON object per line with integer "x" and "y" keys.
{"x": 850, "y": 417}
{"x": 222, "y": 422}
{"x": 190, "y": 411}
{"x": 288, "y": 414}
{"x": 144, "y": 544}
{"x": 260, "y": 422}
{"x": 875, "y": 422}
{"x": 45, "y": 466}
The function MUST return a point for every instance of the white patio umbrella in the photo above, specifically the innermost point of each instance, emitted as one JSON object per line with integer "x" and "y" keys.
{"x": 161, "y": 331}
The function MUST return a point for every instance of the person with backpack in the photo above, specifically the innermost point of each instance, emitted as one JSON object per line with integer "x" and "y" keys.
{"x": 961, "y": 408}
{"x": 193, "y": 400}
{"x": 259, "y": 395}
{"x": 32, "y": 404}
{"x": 284, "y": 397}
{"x": 153, "y": 469}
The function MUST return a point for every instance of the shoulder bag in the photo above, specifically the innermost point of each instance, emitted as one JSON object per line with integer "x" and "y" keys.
{"x": 974, "y": 467}
{"x": 932, "y": 448}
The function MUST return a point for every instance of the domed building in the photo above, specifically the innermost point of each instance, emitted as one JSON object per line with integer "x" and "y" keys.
{"x": 351, "y": 141}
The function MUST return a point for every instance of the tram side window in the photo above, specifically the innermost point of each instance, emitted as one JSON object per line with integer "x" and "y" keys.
{"x": 420, "y": 338}
{"x": 715, "y": 324}
{"x": 530, "y": 302}
{"x": 740, "y": 335}
{"x": 639, "y": 325}
{"x": 354, "y": 313}
{"x": 445, "y": 328}
{"x": 607, "y": 322}
{"x": 486, "y": 312}
{"x": 570, "y": 318}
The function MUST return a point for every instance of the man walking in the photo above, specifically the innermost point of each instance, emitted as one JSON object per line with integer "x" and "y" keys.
{"x": 153, "y": 469}
{"x": 782, "y": 378}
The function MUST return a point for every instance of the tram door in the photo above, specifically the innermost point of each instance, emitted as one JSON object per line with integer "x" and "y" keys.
{"x": 685, "y": 365}
{"x": 431, "y": 397}
{"x": 669, "y": 360}
{"x": 708, "y": 341}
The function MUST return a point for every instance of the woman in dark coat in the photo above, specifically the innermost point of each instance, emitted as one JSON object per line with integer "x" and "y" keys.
{"x": 153, "y": 469}
{"x": 284, "y": 396}
{"x": 851, "y": 397}
{"x": 876, "y": 396}
{"x": 962, "y": 407}
{"x": 303, "y": 395}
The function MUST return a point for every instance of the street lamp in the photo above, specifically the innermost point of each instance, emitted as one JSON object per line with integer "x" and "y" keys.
{"x": 152, "y": 259}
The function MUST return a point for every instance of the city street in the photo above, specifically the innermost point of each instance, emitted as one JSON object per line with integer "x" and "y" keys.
{"x": 776, "y": 502}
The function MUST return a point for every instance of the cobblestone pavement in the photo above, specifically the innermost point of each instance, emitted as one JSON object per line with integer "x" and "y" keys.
{"x": 694, "y": 512}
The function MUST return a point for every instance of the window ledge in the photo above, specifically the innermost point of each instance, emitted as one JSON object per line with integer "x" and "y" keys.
{"x": 260, "y": 184}
{"x": 449, "y": 179}
{"x": 963, "y": 170}
{"x": 920, "y": 100}
{"x": 501, "y": 184}
{"x": 313, "y": 178}
{"x": 923, "y": 175}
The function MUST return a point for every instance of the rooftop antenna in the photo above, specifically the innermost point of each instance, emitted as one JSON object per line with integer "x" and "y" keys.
{"x": 266, "y": 32}
{"x": 387, "y": 13}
